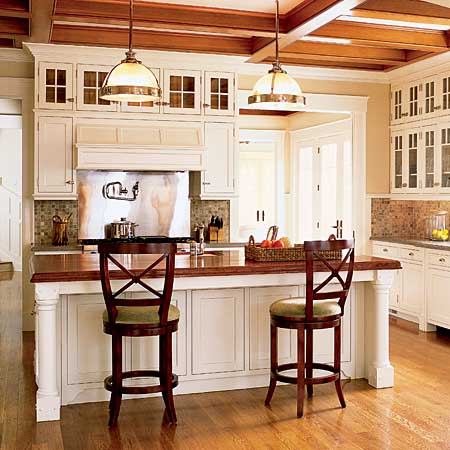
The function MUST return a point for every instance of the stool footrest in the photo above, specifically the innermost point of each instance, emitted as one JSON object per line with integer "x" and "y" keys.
{"x": 313, "y": 380}
{"x": 139, "y": 389}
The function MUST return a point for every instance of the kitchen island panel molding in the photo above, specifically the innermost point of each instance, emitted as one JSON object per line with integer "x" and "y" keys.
{"x": 226, "y": 296}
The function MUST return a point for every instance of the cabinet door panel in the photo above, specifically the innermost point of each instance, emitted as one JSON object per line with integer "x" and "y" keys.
{"x": 220, "y": 146}
{"x": 54, "y": 157}
{"x": 217, "y": 331}
{"x": 88, "y": 347}
{"x": 398, "y": 146}
{"x": 260, "y": 301}
{"x": 438, "y": 301}
{"x": 55, "y": 89}
{"x": 219, "y": 94}
{"x": 145, "y": 350}
{"x": 182, "y": 91}
{"x": 412, "y": 298}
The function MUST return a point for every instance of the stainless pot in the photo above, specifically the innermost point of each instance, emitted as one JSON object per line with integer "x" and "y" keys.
{"x": 123, "y": 229}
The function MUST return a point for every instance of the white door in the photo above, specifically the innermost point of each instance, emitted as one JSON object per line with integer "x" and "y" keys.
{"x": 323, "y": 184}
{"x": 217, "y": 331}
{"x": 54, "y": 156}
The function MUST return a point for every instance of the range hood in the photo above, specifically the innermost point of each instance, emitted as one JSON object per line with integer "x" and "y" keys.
{"x": 153, "y": 146}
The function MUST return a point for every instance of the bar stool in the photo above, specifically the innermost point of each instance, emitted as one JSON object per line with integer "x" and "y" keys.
{"x": 317, "y": 311}
{"x": 140, "y": 317}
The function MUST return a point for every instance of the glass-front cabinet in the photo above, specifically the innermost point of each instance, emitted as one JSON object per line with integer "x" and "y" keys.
{"x": 181, "y": 92}
{"x": 397, "y": 160}
{"x": 429, "y": 180}
{"x": 55, "y": 86}
{"x": 398, "y": 105}
{"x": 412, "y": 160}
{"x": 90, "y": 79}
{"x": 444, "y": 160}
{"x": 219, "y": 94}
{"x": 415, "y": 108}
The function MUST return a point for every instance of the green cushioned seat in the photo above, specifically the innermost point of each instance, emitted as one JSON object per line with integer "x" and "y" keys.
{"x": 139, "y": 315}
{"x": 295, "y": 307}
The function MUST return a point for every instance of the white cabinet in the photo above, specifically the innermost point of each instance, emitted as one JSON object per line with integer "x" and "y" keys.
{"x": 218, "y": 180}
{"x": 89, "y": 81}
{"x": 413, "y": 288}
{"x": 54, "y": 176}
{"x": 145, "y": 350}
{"x": 181, "y": 92}
{"x": 438, "y": 284}
{"x": 398, "y": 105}
{"x": 219, "y": 94}
{"x": 55, "y": 86}
{"x": 218, "y": 331}
{"x": 260, "y": 300}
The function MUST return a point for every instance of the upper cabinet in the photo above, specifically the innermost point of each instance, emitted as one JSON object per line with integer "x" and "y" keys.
{"x": 219, "y": 94}
{"x": 55, "y": 89}
{"x": 181, "y": 92}
{"x": 89, "y": 81}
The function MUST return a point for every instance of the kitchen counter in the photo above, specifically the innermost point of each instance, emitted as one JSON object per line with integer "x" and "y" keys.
{"x": 415, "y": 242}
{"x": 223, "y": 340}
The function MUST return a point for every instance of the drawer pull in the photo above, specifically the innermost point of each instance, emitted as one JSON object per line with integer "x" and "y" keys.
{"x": 441, "y": 259}
{"x": 411, "y": 254}
{"x": 385, "y": 250}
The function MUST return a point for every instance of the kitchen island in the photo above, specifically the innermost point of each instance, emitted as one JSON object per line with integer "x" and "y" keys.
{"x": 223, "y": 338}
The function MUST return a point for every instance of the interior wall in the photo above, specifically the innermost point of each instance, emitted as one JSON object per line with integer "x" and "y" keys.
{"x": 377, "y": 129}
{"x": 302, "y": 120}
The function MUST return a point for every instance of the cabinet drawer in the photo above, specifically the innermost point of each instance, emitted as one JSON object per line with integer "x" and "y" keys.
{"x": 439, "y": 259}
{"x": 384, "y": 251}
{"x": 412, "y": 254}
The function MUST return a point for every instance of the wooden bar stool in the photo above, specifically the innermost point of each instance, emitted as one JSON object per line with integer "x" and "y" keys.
{"x": 317, "y": 311}
{"x": 140, "y": 317}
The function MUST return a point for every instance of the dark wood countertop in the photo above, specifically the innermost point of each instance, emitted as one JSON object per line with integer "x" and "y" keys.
{"x": 85, "y": 267}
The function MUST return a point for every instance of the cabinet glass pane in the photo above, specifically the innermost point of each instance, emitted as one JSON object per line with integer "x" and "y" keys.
{"x": 412, "y": 161}
{"x": 397, "y": 105}
{"x": 429, "y": 97}
{"x": 413, "y": 101}
{"x": 61, "y": 77}
{"x": 398, "y": 147}
{"x": 445, "y": 141}
{"x": 90, "y": 79}
{"x": 61, "y": 95}
{"x": 90, "y": 96}
{"x": 101, "y": 78}
{"x": 188, "y": 100}
{"x": 214, "y": 101}
{"x": 50, "y": 77}
{"x": 50, "y": 94}
{"x": 224, "y": 85}
{"x": 446, "y": 93}
{"x": 175, "y": 100}
{"x": 175, "y": 83}
{"x": 188, "y": 84}
{"x": 429, "y": 159}
{"x": 224, "y": 102}
{"x": 215, "y": 85}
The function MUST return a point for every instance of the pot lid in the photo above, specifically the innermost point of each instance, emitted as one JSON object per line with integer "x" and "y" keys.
{"x": 123, "y": 221}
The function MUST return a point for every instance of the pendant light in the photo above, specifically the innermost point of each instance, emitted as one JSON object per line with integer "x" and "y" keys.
{"x": 276, "y": 90}
{"x": 130, "y": 80}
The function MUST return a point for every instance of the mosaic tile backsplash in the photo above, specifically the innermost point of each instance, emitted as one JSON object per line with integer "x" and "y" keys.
{"x": 202, "y": 210}
{"x": 44, "y": 210}
{"x": 403, "y": 218}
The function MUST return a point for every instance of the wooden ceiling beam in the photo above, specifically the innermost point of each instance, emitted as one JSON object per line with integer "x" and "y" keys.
{"x": 14, "y": 26}
{"x": 169, "y": 16}
{"x": 338, "y": 59}
{"x": 305, "y": 61}
{"x": 309, "y": 17}
{"x": 4, "y": 42}
{"x": 385, "y": 36}
{"x": 113, "y": 37}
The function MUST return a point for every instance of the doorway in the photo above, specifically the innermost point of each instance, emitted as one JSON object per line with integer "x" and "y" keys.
{"x": 322, "y": 181}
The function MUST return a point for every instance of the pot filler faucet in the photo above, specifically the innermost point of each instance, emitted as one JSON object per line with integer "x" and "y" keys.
{"x": 116, "y": 191}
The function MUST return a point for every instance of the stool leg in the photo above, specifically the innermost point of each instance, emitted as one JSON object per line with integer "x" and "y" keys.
{"x": 300, "y": 370}
{"x": 165, "y": 368}
{"x": 337, "y": 363}
{"x": 273, "y": 362}
{"x": 309, "y": 360}
{"x": 116, "y": 394}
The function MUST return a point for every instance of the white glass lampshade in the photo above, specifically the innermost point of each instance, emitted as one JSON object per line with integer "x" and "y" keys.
{"x": 276, "y": 90}
{"x": 130, "y": 81}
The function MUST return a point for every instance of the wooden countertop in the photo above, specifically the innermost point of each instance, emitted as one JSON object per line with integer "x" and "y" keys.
{"x": 85, "y": 267}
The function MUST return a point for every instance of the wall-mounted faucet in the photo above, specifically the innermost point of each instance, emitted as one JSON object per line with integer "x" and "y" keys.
{"x": 116, "y": 191}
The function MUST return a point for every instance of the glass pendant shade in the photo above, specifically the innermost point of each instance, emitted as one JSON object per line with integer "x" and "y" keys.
{"x": 276, "y": 90}
{"x": 130, "y": 81}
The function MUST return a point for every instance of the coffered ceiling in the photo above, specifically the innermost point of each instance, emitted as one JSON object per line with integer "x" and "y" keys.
{"x": 376, "y": 35}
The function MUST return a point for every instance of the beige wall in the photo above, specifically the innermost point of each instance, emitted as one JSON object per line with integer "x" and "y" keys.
{"x": 377, "y": 155}
{"x": 15, "y": 69}
{"x": 300, "y": 121}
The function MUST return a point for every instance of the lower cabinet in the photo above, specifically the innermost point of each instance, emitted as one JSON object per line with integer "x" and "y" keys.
{"x": 218, "y": 332}
{"x": 438, "y": 305}
{"x": 413, "y": 288}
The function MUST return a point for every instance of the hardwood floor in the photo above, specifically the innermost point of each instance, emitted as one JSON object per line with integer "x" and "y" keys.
{"x": 413, "y": 415}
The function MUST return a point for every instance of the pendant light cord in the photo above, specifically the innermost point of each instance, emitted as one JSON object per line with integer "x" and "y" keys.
{"x": 277, "y": 30}
{"x": 130, "y": 38}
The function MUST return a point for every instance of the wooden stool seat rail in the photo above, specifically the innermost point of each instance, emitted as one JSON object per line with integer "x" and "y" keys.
{"x": 150, "y": 325}
{"x": 307, "y": 323}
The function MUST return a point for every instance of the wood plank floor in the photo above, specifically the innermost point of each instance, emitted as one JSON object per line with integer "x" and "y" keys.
{"x": 413, "y": 415}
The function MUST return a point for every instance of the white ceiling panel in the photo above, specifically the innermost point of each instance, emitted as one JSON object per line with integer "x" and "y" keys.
{"x": 267, "y": 6}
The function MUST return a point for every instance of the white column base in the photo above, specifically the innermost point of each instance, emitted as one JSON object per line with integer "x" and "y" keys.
{"x": 381, "y": 377}
{"x": 47, "y": 408}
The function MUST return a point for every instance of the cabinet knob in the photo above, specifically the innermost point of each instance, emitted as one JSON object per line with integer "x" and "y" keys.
{"x": 206, "y": 105}
{"x": 206, "y": 183}
{"x": 411, "y": 254}
{"x": 71, "y": 100}
{"x": 70, "y": 182}
{"x": 437, "y": 108}
{"x": 385, "y": 250}
{"x": 405, "y": 114}
{"x": 441, "y": 259}
{"x": 405, "y": 185}
{"x": 162, "y": 103}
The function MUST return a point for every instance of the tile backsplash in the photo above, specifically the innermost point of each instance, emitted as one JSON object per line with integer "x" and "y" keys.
{"x": 403, "y": 218}
{"x": 202, "y": 210}
{"x": 44, "y": 210}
